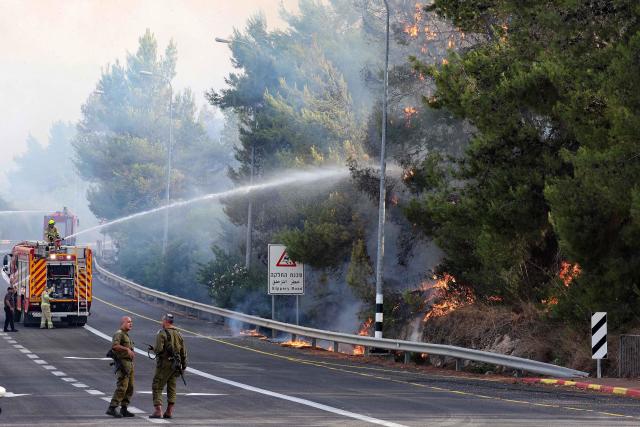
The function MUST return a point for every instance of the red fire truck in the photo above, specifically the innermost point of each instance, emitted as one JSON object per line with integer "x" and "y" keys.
{"x": 34, "y": 265}
{"x": 66, "y": 223}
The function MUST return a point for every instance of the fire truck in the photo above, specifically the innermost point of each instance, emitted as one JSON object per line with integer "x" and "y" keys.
{"x": 66, "y": 224}
{"x": 34, "y": 265}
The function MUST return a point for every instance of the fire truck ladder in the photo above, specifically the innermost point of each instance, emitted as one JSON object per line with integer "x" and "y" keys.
{"x": 82, "y": 285}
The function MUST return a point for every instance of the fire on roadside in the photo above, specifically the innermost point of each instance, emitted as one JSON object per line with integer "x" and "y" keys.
{"x": 251, "y": 333}
{"x": 568, "y": 272}
{"x": 443, "y": 299}
{"x": 363, "y": 332}
{"x": 296, "y": 344}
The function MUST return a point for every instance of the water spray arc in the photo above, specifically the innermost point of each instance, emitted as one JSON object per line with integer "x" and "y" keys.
{"x": 305, "y": 177}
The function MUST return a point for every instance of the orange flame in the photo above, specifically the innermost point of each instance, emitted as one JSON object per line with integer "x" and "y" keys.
{"x": 568, "y": 272}
{"x": 296, "y": 344}
{"x": 251, "y": 333}
{"x": 363, "y": 332}
{"x": 409, "y": 112}
{"x": 412, "y": 30}
{"x": 447, "y": 300}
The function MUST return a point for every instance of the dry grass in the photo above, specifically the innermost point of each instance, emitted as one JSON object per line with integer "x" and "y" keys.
{"x": 525, "y": 332}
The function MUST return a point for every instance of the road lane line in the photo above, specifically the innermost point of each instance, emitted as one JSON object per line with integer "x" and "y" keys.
{"x": 49, "y": 367}
{"x": 32, "y": 356}
{"x": 80, "y": 385}
{"x": 70, "y": 380}
{"x": 87, "y": 358}
{"x": 270, "y": 393}
{"x": 59, "y": 373}
{"x": 94, "y": 392}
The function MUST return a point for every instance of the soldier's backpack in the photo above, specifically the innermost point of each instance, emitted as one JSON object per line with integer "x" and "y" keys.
{"x": 174, "y": 357}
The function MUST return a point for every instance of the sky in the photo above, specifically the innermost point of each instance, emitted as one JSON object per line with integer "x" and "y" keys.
{"x": 52, "y": 53}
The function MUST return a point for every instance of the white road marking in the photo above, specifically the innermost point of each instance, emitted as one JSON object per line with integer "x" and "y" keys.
{"x": 41, "y": 362}
{"x": 187, "y": 394}
{"x": 10, "y": 341}
{"x": 25, "y": 351}
{"x": 70, "y": 380}
{"x": 49, "y": 367}
{"x": 80, "y": 385}
{"x": 94, "y": 392}
{"x": 32, "y": 356}
{"x": 87, "y": 358}
{"x": 18, "y": 346}
{"x": 9, "y": 394}
{"x": 59, "y": 374}
{"x": 305, "y": 402}
{"x": 135, "y": 410}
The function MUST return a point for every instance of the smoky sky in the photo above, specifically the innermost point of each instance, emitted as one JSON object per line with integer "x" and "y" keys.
{"x": 53, "y": 52}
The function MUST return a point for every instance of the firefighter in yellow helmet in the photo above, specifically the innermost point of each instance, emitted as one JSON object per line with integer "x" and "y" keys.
{"x": 51, "y": 232}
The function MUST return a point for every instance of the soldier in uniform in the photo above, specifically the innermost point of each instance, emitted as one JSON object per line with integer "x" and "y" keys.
{"x": 122, "y": 346}
{"x": 45, "y": 308}
{"x": 171, "y": 361}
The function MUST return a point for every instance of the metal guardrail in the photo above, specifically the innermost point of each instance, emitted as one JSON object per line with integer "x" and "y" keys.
{"x": 458, "y": 353}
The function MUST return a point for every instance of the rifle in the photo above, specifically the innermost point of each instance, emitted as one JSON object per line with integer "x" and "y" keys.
{"x": 176, "y": 362}
{"x": 117, "y": 363}
{"x": 150, "y": 349}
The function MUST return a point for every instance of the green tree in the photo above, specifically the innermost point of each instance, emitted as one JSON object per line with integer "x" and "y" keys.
{"x": 549, "y": 89}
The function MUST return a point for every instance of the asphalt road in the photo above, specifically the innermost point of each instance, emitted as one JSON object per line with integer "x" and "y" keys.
{"x": 59, "y": 377}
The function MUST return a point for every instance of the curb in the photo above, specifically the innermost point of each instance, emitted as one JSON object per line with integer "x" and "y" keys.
{"x": 622, "y": 391}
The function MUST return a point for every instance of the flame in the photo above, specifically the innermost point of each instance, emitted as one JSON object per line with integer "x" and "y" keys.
{"x": 495, "y": 298}
{"x": 551, "y": 301}
{"x": 408, "y": 174}
{"x": 412, "y": 30}
{"x": 446, "y": 299}
{"x": 251, "y": 333}
{"x": 445, "y": 61}
{"x": 451, "y": 44}
{"x": 363, "y": 332}
{"x": 409, "y": 112}
{"x": 296, "y": 344}
{"x": 568, "y": 272}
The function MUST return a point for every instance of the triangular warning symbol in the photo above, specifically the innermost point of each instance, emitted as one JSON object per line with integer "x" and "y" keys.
{"x": 285, "y": 261}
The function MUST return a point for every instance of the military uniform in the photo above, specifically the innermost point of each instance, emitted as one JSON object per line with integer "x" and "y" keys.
{"x": 165, "y": 373}
{"x": 124, "y": 386}
{"x": 45, "y": 307}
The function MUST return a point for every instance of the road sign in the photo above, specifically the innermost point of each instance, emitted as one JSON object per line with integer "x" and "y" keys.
{"x": 286, "y": 277}
{"x": 599, "y": 335}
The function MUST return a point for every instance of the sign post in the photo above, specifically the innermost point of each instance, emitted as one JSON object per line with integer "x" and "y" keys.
{"x": 599, "y": 338}
{"x": 286, "y": 277}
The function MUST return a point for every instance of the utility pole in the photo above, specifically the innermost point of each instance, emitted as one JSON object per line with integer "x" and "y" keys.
{"x": 383, "y": 191}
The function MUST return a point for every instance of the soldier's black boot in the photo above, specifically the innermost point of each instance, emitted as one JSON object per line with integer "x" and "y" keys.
{"x": 169, "y": 412}
{"x": 113, "y": 411}
{"x": 125, "y": 412}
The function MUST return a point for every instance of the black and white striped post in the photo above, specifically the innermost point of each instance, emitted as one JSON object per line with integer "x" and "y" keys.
{"x": 599, "y": 338}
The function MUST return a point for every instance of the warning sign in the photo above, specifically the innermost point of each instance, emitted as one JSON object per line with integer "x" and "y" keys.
{"x": 286, "y": 277}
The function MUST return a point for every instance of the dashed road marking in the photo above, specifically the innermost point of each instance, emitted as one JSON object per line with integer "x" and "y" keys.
{"x": 18, "y": 346}
{"x": 49, "y": 367}
{"x": 94, "y": 392}
{"x": 70, "y": 380}
{"x": 41, "y": 362}
{"x": 80, "y": 385}
{"x": 25, "y": 351}
{"x": 59, "y": 374}
{"x": 32, "y": 356}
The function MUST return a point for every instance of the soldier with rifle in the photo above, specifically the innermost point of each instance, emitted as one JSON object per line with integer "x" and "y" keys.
{"x": 123, "y": 356}
{"x": 171, "y": 362}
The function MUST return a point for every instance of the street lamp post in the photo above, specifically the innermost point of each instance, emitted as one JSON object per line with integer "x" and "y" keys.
{"x": 383, "y": 191}
{"x": 247, "y": 257}
{"x": 165, "y": 234}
